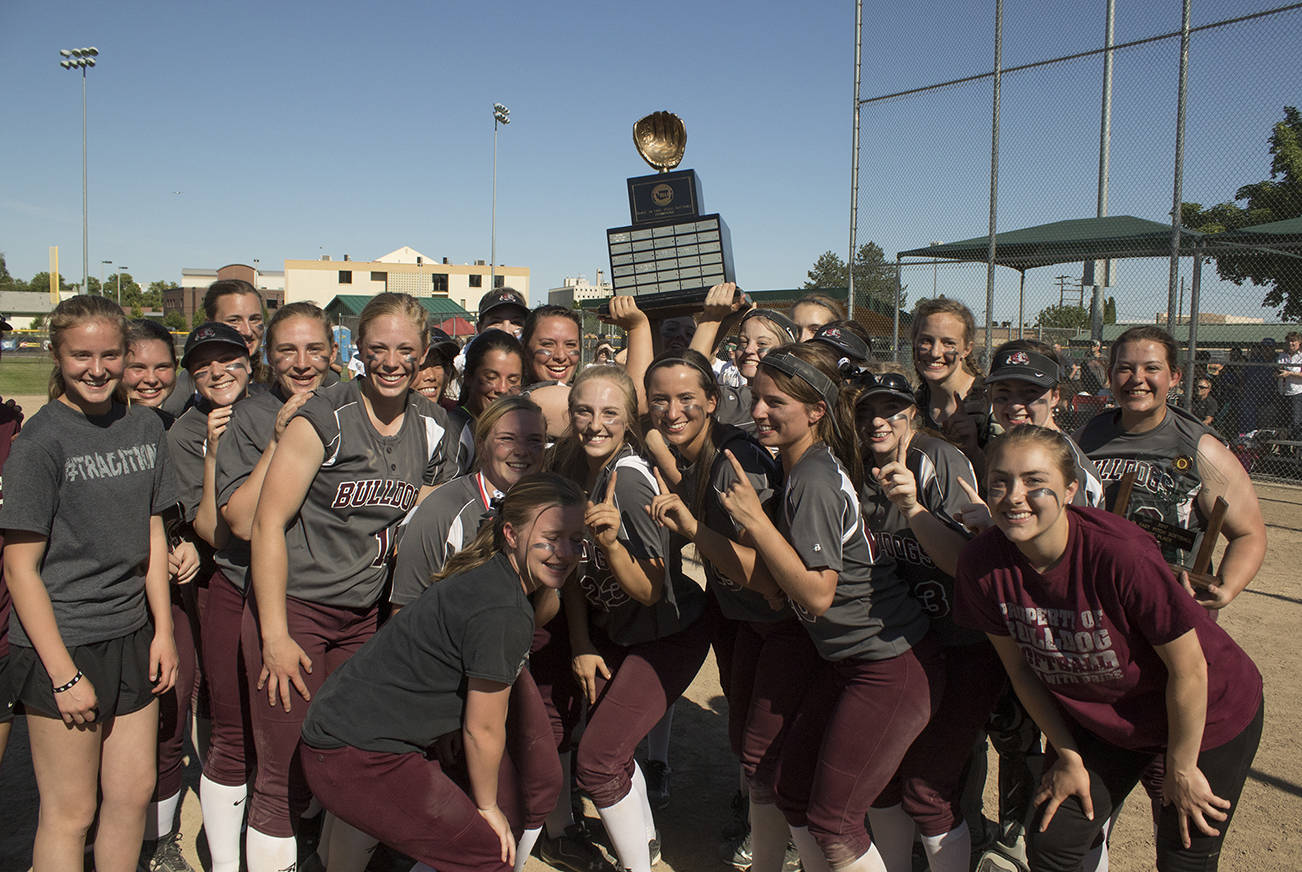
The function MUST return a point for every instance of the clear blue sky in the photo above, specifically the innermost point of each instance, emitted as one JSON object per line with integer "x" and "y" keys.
{"x": 296, "y": 129}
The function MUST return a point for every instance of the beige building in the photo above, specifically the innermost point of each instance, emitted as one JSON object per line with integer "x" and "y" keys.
{"x": 405, "y": 271}
{"x": 187, "y": 297}
{"x": 578, "y": 289}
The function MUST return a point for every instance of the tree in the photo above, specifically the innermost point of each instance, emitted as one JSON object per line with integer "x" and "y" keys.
{"x": 41, "y": 283}
{"x": 874, "y": 277}
{"x": 174, "y": 321}
{"x": 1074, "y": 317}
{"x": 1272, "y": 199}
{"x": 1110, "y": 310}
{"x": 8, "y": 282}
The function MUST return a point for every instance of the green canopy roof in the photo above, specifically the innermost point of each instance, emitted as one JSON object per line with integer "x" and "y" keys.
{"x": 351, "y": 305}
{"x": 1279, "y": 234}
{"x": 1115, "y": 236}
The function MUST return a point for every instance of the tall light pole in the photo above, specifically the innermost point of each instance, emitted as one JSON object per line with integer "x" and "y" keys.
{"x": 81, "y": 59}
{"x": 501, "y": 115}
{"x": 935, "y": 271}
{"x": 104, "y": 283}
{"x": 121, "y": 270}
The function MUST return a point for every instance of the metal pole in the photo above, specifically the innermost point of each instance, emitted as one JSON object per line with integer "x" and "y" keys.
{"x": 1105, "y": 151}
{"x": 1190, "y": 376}
{"x": 854, "y": 159}
{"x": 1179, "y": 167}
{"x": 895, "y": 315}
{"x": 994, "y": 177}
{"x": 119, "y": 286}
{"x": 492, "y": 246}
{"x": 85, "y": 245}
{"x": 1021, "y": 306}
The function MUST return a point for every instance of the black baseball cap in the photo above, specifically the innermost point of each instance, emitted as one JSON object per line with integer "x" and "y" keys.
{"x": 843, "y": 342}
{"x": 1025, "y": 365}
{"x": 440, "y": 345}
{"x": 892, "y": 384}
{"x": 502, "y": 297}
{"x": 5, "y": 326}
{"x": 785, "y": 324}
{"x": 211, "y": 334}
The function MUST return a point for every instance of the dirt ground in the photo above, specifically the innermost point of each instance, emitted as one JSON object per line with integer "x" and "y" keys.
{"x": 1266, "y": 835}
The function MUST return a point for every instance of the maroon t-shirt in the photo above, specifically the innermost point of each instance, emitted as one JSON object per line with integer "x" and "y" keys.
{"x": 10, "y": 423}
{"x": 1088, "y": 625}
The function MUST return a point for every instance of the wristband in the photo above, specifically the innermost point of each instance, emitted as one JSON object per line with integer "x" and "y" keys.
{"x": 61, "y": 688}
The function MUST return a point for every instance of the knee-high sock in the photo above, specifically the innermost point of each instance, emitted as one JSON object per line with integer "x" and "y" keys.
{"x": 160, "y": 819}
{"x": 350, "y": 848}
{"x": 1096, "y": 860}
{"x": 811, "y": 856}
{"x": 869, "y": 861}
{"x": 951, "y": 851}
{"x": 892, "y": 831}
{"x": 525, "y": 846}
{"x": 223, "y": 822}
{"x": 561, "y": 816}
{"x": 626, "y": 826}
{"x": 270, "y": 853}
{"x": 768, "y": 837}
{"x": 657, "y": 741}
{"x": 639, "y": 788}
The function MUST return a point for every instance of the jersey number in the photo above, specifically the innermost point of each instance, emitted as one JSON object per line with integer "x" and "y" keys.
{"x": 383, "y": 542}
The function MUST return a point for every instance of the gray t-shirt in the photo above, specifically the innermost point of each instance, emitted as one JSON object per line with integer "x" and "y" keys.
{"x": 247, "y": 436}
{"x": 340, "y": 541}
{"x": 937, "y": 467}
{"x": 444, "y": 524}
{"x": 734, "y": 407}
{"x": 89, "y": 485}
{"x": 765, "y": 475}
{"x": 623, "y": 619}
{"x": 872, "y": 615}
{"x": 407, "y": 685}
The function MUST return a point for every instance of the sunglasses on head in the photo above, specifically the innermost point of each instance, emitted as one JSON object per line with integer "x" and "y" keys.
{"x": 891, "y": 381}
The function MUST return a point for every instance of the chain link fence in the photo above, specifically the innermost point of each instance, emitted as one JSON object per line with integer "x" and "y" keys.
{"x": 1232, "y": 296}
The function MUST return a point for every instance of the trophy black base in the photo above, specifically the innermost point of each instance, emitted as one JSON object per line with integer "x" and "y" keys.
{"x": 672, "y": 196}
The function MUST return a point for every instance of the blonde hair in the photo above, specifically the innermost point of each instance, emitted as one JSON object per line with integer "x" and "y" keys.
{"x": 389, "y": 303}
{"x": 566, "y": 456}
{"x": 496, "y": 411}
{"x": 72, "y": 312}
{"x": 929, "y": 306}
{"x": 523, "y": 502}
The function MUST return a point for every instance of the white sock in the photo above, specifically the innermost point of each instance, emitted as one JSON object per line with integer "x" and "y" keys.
{"x": 323, "y": 838}
{"x": 562, "y": 816}
{"x": 657, "y": 741}
{"x": 525, "y": 846}
{"x": 951, "y": 851}
{"x": 768, "y": 837}
{"x": 350, "y": 848}
{"x": 270, "y": 853}
{"x": 811, "y": 856}
{"x": 892, "y": 832}
{"x": 626, "y": 826}
{"x": 223, "y": 820}
{"x": 160, "y": 820}
{"x": 869, "y": 861}
{"x": 639, "y": 788}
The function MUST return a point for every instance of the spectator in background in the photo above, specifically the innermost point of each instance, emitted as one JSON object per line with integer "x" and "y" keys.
{"x": 1257, "y": 390}
{"x": 1290, "y": 381}
{"x": 1094, "y": 374}
{"x": 1227, "y": 388}
{"x": 1205, "y": 405}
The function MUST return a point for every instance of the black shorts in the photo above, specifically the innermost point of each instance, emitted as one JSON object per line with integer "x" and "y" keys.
{"x": 118, "y": 669}
{"x": 7, "y": 690}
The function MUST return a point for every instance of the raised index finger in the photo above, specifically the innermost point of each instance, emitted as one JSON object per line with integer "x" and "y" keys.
{"x": 736, "y": 466}
{"x": 660, "y": 481}
{"x": 610, "y": 488}
{"x": 902, "y": 448}
{"x": 971, "y": 492}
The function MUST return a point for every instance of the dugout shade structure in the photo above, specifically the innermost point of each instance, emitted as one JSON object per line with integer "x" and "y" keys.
{"x": 1111, "y": 238}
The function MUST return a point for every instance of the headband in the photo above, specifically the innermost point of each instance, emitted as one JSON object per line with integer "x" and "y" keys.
{"x": 705, "y": 372}
{"x": 788, "y": 363}
{"x": 783, "y": 323}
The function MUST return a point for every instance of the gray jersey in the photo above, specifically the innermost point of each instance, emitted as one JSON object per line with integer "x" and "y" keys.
{"x": 187, "y": 441}
{"x": 1165, "y": 497}
{"x": 872, "y": 615}
{"x": 624, "y": 620}
{"x": 937, "y": 467}
{"x": 247, "y": 436}
{"x": 444, "y": 524}
{"x": 765, "y": 475}
{"x": 461, "y": 433}
{"x": 340, "y": 541}
{"x": 734, "y": 407}
{"x": 89, "y": 486}
{"x": 1089, "y": 487}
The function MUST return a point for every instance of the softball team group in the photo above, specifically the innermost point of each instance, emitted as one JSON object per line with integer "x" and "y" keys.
{"x": 428, "y": 622}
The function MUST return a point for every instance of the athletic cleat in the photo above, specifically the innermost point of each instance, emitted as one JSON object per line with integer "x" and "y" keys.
{"x": 997, "y": 859}
{"x": 166, "y": 856}
{"x": 573, "y": 851}
{"x": 738, "y": 855}
{"x": 739, "y": 818}
{"x": 654, "y": 846}
{"x": 656, "y": 774}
